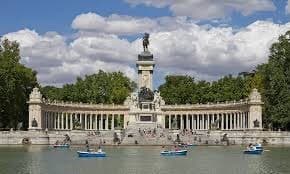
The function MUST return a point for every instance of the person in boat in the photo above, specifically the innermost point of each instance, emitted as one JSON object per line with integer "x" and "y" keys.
{"x": 57, "y": 142}
{"x": 176, "y": 148}
{"x": 250, "y": 147}
{"x": 87, "y": 146}
{"x": 100, "y": 149}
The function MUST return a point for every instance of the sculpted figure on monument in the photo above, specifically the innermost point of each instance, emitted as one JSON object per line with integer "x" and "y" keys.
{"x": 157, "y": 99}
{"x": 256, "y": 123}
{"x": 145, "y": 42}
{"x": 146, "y": 94}
{"x": 34, "y": 123}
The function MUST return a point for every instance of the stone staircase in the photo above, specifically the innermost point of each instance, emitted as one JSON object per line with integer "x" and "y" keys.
{"x": 135, "y": 135}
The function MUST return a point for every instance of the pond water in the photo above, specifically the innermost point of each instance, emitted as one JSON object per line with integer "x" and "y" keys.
{"x": 143, "y": 160}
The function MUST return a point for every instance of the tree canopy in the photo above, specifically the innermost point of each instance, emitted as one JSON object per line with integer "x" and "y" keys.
{"x": 276, "y": 83}
{"x": 184, "y": 89}
{"x": 16, "y": 83}
{"x": 103, "y": 87}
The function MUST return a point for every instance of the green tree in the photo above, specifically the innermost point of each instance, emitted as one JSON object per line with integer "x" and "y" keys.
{"x": 16, "y": 83}
{"x": 102, "y": 87}
{"x": 178, "y": 90}
{"x": 276, "y": 81}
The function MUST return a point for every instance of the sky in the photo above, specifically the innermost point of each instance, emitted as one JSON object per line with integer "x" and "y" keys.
{"x": 206, "y": 39}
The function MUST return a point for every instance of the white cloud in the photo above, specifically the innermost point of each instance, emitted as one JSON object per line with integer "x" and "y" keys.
{"x": 115, "y": 24}
{"x": 58, "y": 62}
{"x": 209, "y": 9}
{"x": 178, "y": 44}
{"x": 216, "y": 51}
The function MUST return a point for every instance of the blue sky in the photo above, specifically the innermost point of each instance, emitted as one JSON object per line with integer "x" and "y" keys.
{"x": 209, "y": 38}
{"x": 55, "y": 15}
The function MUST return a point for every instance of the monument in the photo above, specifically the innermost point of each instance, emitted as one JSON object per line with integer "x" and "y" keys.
{"x": 148, "y": 102}
{"x": 145, "y": 108}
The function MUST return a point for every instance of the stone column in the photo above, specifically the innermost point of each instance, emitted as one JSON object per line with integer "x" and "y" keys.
{"x": 198, "y": 125}
{"x": 101, "y": 123}
{"x": 206, "y": 120}
{"x": 86, "y": 121}
{"x": 58, "y": 120}
{"x": 236, "y": 120}
{"x": 248, "y": 120}
{"x": 113, "y": 122}
{"x": 222, "y": 121}
{"x": 187, "y": 122}
{"x": 70, "y": 121}
{"x": 45, "y": 120}
{"x": 203, "y": 122}
{"x": 192, "y": 122}
{"x": 91, "y": 122}
{"x": 209, "y": 116}
{"x": 96, "y": 120}
{"x": 169, "y": 120}
{"x": 243, "y": 120}
{"x": 226, "y": 120}
{"x": 48, "y": 116}
{"x": 54, "y": 120}
{"x": 51, "y": 121}
{"x": 48, "y": 119}
{"x": 181, "y": 122}
{"x": 239, "y": 120}
{"x": 233, "y": 121}
{"x": 62, "y": 116}
{"x": 66, "y": 121}
{"x": 107, "y": 122}
{"x": 81, "y": 120}
{"x": 61, "y": 120}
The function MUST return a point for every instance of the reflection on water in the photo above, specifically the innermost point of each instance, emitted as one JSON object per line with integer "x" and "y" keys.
{"x": 142, "y": 160}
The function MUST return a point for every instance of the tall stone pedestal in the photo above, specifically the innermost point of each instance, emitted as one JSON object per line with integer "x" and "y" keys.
{"x": 145, "y": 65}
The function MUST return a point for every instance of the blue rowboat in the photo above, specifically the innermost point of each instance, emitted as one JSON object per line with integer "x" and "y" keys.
{"x": 61, "y": 145}
{"x": 254, "y": 152}
{"x": 174, "y": 153}
{"x": 91, "y": 154}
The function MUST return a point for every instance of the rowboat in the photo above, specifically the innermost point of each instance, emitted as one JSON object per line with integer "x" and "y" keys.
{"x": 61, "y": 145}
{"x": 91, "y": 154}
{"x": 174, "y": 153}
{"x": 254, "y": 152}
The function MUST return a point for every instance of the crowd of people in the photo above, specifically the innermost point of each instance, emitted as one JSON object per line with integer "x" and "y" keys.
{"x": 148, "y": 132}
